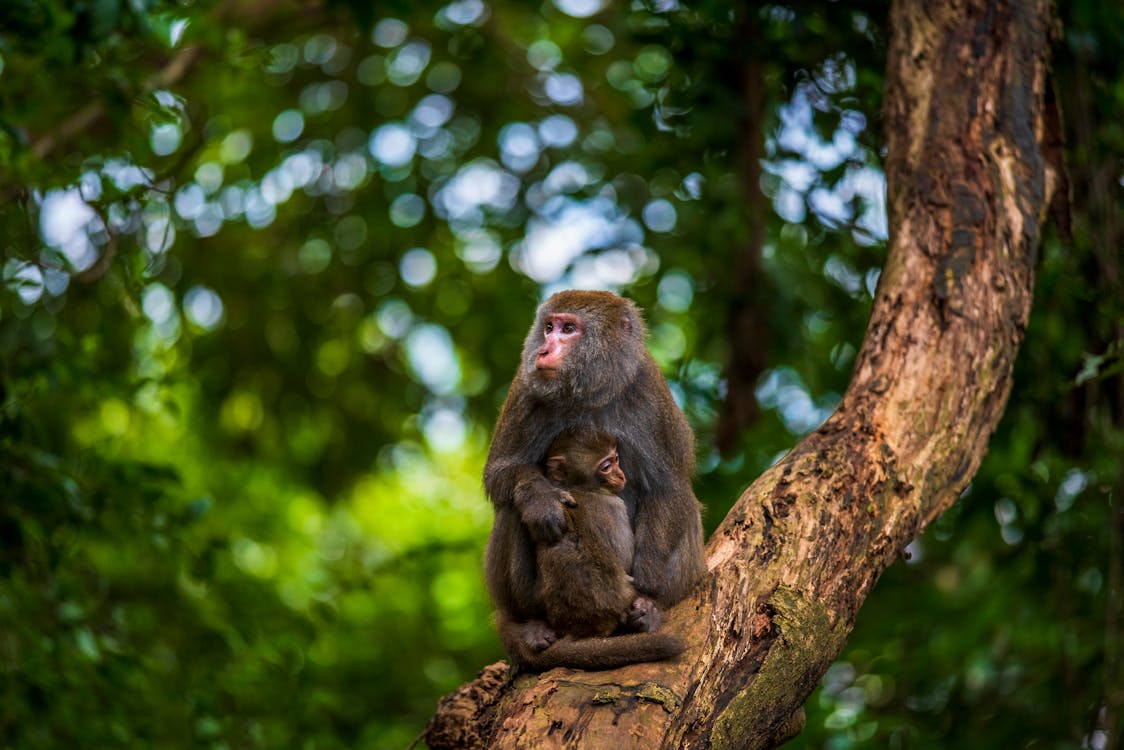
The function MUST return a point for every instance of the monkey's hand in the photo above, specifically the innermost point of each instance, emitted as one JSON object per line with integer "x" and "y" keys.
{"x": 644, "y": 616}
{"x": 538, "y": 635}
{"x": 540, "y": 508}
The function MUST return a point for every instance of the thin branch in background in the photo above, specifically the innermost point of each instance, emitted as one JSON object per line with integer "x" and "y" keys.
{"x": 93, "y": 112}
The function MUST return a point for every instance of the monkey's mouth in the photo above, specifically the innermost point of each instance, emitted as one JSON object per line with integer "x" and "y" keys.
{"x": 547, "y": 372}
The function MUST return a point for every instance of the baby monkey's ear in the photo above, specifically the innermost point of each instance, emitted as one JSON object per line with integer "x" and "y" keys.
{"x": 556, "y": 468}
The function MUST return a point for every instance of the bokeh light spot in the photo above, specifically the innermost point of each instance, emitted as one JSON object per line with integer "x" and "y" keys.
{"x": 659, "y": 215}
{"x": 165, "y": 138}
{"x": 445, "y": 430}
{"x": 465, "y": 12}
{"x": 579, "y": 8}
{"x": 314, "y": 255}
{"x": 406, "y": 64}
{"x": 418, "y": 267}
{"x": 282, "y": 58}
{"x": 480, "y": 250}
{"x": 258, "y": 560}
{"x": 209, "y": 176}
{"x": 65, "y": 222}
{"x": 652, "y": 64}
{"x": 389, "y": 32}
{"x": 676, "y": 291}
{"x": 558, "y": 131}
{"x": 236, "y": 146}
{"x": 392, "y": 144}
{"x": 564, "y": 89}
{"x": 349, "y": 172}
{"x": 544, "y": 55}
{"x": 433, "y": 111}
{"x": 319, "y": 49}
{"x": 371, "y": 71}
{"x": 394, "y": 318}
{"x": 288, "y": 126}
{"x": 443, "y": 78}
{"x": 407, "y": 210}
{"x": 158, "y": 303}
{"x": 519, "y": 146}
{"x": 429, "y": 349}
{"x": 25, "y": 279}
{"x": 203, "y": 307}
{"x": 598, "y": 39}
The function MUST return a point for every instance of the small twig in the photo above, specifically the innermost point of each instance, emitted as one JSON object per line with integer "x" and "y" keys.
{"x": 176, "y": 69}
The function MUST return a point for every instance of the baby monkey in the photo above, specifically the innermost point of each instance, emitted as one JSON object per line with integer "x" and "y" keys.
{"x": 583, "y": 580}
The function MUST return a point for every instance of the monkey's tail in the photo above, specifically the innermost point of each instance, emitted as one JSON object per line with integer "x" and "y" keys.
{"x": 602, "y": 653}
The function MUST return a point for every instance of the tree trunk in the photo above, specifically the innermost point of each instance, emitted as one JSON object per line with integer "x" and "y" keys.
{"x": 968, "y": 187}
{"x": 747, "y": 316}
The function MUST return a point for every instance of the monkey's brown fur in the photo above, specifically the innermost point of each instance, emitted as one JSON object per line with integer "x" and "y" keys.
{"x": 586, "y": 653}
{"x": 606, "y": 380}
{"x": 582, "y": 578}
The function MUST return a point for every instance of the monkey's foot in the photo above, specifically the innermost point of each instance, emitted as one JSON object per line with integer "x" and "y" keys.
{"x": 538, "y": 635}
{"x": 645, "y": 615}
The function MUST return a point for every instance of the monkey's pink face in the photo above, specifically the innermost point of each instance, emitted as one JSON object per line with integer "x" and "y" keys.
{"x": 560, "y": 332}
{"x": 610, "y": 470}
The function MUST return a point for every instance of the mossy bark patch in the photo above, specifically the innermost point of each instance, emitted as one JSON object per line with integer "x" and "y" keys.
{"x": 807, "y": 638}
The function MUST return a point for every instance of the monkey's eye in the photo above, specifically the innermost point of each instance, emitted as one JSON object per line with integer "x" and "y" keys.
{"x": 605, "y": 466}
{"x": 569, "y": 328}
{"x": 549, "y": 327}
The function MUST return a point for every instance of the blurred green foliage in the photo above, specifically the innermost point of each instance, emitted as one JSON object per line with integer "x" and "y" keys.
{"x": 266, "y": 269}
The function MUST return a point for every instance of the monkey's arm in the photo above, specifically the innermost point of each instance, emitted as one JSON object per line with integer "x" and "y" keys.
{"x": 669, "y": 551}
{"x": 513, "y": 478}
{"x": 667, "y": 527}
{"x": 539, "y": 504}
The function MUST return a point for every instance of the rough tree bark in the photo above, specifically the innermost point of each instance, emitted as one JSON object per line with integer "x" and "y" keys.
{"x": 969, "y": 181}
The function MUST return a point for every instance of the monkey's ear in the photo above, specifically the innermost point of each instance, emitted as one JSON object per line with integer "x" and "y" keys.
{"x": 556, "y": 468}
{"x": 632, "y": 319}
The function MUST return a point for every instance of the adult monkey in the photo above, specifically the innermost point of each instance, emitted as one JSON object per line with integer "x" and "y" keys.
{"x": 584, "y": 363}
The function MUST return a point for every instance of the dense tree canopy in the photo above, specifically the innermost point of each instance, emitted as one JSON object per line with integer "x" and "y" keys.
{"x": 266, "y": 269}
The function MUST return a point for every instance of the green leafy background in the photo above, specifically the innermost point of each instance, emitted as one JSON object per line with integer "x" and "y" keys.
{"x": 266, "y": 270}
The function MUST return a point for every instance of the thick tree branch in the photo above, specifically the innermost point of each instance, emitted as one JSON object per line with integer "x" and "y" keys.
{"x": 969, "y": 185}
